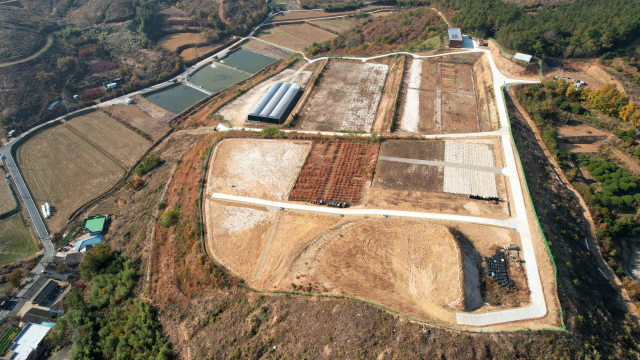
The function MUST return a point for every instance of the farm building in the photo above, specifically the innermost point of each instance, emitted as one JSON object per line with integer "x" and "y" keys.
{"x": 276, "y": 103}
{"x": 522, "y": 57}
{"x": 38, "y": 316}
{"x": 455, "y": 38}
{"x": 46, "y": 294}
{"x": 87, "y": 240}
{"x": 73, "y": 259}
{"x": 95, "y": 224}
{"x": 30, "y": 289}
{"x": 28, "y": 345}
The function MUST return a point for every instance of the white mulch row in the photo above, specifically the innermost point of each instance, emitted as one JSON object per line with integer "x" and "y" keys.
{"x": 411, "y": 113}
{"x": 468, "y": 181}
{"x": 364, "y": 101}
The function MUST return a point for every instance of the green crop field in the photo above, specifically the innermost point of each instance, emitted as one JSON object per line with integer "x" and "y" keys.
{"x": 15, "y": 240}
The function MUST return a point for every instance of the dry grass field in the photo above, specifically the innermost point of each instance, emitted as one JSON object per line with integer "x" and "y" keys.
{"x": 265, "y": 169}
{"x": 172, "y": 41}
{"x": 353, "y": 89}
{"x": 337, "y": 25}
{"x": 15, "y": 240}
{"x": 295, "y": 36}
{"x": 7, "y": 201}
{"x": 266, "y": 49}
{"x": 111, "y": 137}
{"x": 66, "y": 171}
{"x": 236, "y": 111}
{"x": 134, "y": 116}
{"x": 192, "y": 53}
{"x": 441, "y": 97}
{"x": 411, "y": 266}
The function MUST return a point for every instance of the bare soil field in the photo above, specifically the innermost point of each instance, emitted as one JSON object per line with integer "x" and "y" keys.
{"x": 134, "y": 116}
{"x": 236, "y": 111}
{"x": 265, "y": 169}
{"x": 7, "y": 201}
{"x": 579, "y": 148}
{"x": 387, "y": 107}
{"x": 579, "y": 130}
{"x": 295, "y": 36}
{"x": 440, "y": 98}
{"x": 192, "y": 53}
{"x": 66, "y": 171}
{"x": 335, "y": 171}
{"x": 266, "y": 49}
{"x": 402, "y": 173}
{"x": 411, "y": 266}
{"x": 295, "y": 15}
{"x": 111, "y": 137}
{"x": 337, "y": 25}
{"x": 353, "y": 89}
{"x": 172, "y": 41}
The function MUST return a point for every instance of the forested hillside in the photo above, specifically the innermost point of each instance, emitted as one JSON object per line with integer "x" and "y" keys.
{"x": 583, "y": 28}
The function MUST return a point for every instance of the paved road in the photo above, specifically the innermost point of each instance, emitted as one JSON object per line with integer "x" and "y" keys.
{"x": 31, "y": 207}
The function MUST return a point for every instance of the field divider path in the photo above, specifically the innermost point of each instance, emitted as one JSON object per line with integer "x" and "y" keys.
{"x": 385, "y": 213}
{"x": 264, "y": 254}
{"x": 497, "y": 170}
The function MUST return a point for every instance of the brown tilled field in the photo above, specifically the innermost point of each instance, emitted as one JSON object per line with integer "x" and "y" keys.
{"x": 337, "y": 25}
{"x": 65, "y": 170}
{"x": 335, "y": 171}
{"x": 172, "y": 41}
{"x": 441, "y": 98}
{"x": 111, "y": 137}
{"x": 7, "y": 201}
{"x": 295, "y": 36}
{"x": 153, "y": 110}
{"x": 264, "y": 169}
{"x": 353, "y": 90}
{"x": 134, "y": 116}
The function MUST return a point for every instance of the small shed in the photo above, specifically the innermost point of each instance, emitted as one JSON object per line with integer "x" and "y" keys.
{"x": 522, "y": 57}
{"x": 73, "y": 259}
{"x": 455, "y": 37}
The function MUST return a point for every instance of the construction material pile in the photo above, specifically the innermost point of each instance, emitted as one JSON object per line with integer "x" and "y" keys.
{"x": 497, "y": 269}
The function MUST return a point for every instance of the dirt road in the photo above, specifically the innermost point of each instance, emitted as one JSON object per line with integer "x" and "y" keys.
{"x": 47, "y": 46}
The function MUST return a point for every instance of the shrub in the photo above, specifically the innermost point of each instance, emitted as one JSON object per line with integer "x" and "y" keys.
{"x": 148, "y": 164}
{"x": 618, "y": 68}
{"x": 171, "y": 217}
{"x": 14, "y": 279}
{"x": 136, "y": 184}
{"x": 161, "y": 205}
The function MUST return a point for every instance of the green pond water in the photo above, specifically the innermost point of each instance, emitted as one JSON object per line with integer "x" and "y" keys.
{"x": 248, "y": 61}
{"x": 217, "y": 78}
{"x": 176, "y": 99}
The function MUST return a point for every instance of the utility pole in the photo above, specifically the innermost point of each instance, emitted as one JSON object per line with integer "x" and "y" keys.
{"x": 16, "y": 125}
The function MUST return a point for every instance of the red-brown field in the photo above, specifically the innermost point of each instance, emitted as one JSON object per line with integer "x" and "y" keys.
{"x": 335, "y": 171}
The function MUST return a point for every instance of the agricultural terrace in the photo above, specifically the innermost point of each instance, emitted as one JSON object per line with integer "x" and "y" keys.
{"x": 295, "y": 36}
{"x": 15, "y": 240}
{"x": 413, "y": 266}
{"x": 65, "y": 170}
{"x": 447, "y": 96}
{"x": 336, "y": 25}
{"x": 111, "y": 137}
{"x": 346, "y": 97}
{"x": 172, "y": 42}
{"x": 7, "y": 201}
{"x": 237, "y": 111}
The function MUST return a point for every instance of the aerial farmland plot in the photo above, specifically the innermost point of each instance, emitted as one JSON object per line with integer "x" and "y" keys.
{"x": 65, "y": 170}
{"x": 421, "y": 268}
{"x": 7, "y": 201}
{"x": 444, "y": 97}
{"x": 295, "y": 36}
{"x": 139, "y": 119}
{"x": 111, "y": 137}
{"x": 353, "y": 89}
